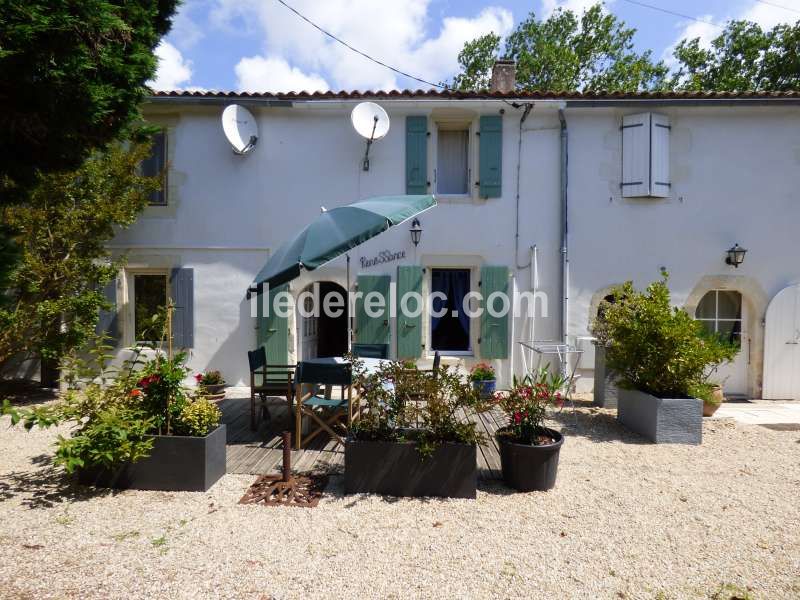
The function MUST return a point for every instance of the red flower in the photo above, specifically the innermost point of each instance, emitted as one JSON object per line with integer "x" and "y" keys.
{"x": 135, "y": 393}
{"x": 517, "y": 418}
{"x": 198, "y": 377}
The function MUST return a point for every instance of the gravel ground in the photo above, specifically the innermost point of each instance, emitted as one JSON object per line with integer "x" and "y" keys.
{"x": 626, "y": 520}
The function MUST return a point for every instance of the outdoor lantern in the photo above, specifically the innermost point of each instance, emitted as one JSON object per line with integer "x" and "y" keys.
{"x": 736, "y": 256}
{"x": 416, "y": 232}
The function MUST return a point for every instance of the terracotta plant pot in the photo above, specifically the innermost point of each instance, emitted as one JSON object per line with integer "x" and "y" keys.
{"x": 709, "y": 408}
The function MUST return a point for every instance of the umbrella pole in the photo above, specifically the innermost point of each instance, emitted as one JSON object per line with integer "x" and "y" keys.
{"x": 349, "y": 308}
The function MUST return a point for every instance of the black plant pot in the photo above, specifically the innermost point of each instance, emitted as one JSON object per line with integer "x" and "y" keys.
{"x": 398, "y": 469}
{"x": 176, "y": 464}
{"x": 528, "y": 468}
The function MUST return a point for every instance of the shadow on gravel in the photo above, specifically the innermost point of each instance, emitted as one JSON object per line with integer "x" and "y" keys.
{"x": 45, "y": 486}
{"x": 23, "y": 392}
{"x": 595, "y": 425}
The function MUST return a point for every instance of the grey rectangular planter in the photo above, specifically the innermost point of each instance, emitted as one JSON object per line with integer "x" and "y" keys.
{"x": 398, "y": 469}
{"x": 605, "y": 383}
{"x": 176, "y": 464}
{"x": 661, "y": 420}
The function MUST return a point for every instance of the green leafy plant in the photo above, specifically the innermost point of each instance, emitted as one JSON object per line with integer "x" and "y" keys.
{"x": 411, "y": 405}
{"x": 209, "y": 378}
{"x": 198, "y": 418}
{"x": 526, "y": 405}
{"x": 655, "y": 347}
{"x": 482, "y": 372}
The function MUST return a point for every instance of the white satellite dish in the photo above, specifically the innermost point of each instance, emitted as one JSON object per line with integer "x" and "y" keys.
{"x": 240, "y": 128}
{"x": 371, "y": 122}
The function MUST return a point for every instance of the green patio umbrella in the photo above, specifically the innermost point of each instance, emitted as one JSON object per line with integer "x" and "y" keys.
{"x": 336, "y": 231}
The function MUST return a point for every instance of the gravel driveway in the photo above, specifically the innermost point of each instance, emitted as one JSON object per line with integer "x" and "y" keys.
{"x": 626, "y": 520}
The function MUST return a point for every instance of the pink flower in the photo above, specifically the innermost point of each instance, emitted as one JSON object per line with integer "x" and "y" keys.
{"x": 198, "y": 377}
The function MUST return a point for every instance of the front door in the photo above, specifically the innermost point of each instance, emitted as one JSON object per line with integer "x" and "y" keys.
{"x": 723, "y": 312}
{"x": 782, "y": 346}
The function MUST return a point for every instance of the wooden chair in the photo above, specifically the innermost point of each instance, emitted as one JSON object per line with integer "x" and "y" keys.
{"x": 318, "y": 404}
{"x": 276, "y": 380}
{"x": 371, "y": 350}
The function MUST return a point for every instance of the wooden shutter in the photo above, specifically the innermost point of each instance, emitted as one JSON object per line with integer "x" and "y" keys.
{"x": 416, "y": 155}
{"x": 409, "y": 328}
{"x": 108, "y": 321}
{"x": 494, "y": 330}
{"x": 372, "y": 330}
{"x": 155, "y": 165}
{"x": 491, "y": 156}
{"x": 636, "y": 155}
{"x": 273, "y": 329}
{"x": 659, "y": 156}
{"x": 181, "y": 290}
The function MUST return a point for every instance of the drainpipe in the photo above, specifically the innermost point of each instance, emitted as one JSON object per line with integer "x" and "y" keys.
{"x": 564, "y": 228}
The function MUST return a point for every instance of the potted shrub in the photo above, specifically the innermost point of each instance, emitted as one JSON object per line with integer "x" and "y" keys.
{"x": 483, "y": 379}
{"x": 529, "y": 450}
{"x": 711, "y": 395}
{"x": 410, "y": 440}
{"x": 211, "y": 384}
{"x": 135, "y": 426}
{"x": 659, "y": 354}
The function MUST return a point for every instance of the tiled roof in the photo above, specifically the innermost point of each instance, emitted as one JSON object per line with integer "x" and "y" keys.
{"x": 478, "y": 95}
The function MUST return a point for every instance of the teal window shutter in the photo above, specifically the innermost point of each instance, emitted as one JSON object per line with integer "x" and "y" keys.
{"x": 494, "y": 330}
{"x": 416, "y": 155}
{"x": 373, "y": 329}
{"x": 273, "y": 329}
{"x": 181, "y": 289}
{"x": 491, "y": 156}
{"x": 409, "y": 328}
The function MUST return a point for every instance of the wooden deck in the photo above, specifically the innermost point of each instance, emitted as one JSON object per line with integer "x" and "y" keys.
{"x": 260, "y": 452}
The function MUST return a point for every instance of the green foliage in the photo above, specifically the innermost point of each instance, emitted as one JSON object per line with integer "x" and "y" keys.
{"x": 198, "y": 418}
{"x": 409, "y": 404}
{"x": 482, "y": 372}
{"x": 742, "y": 57}
{"x": 654, "y": 347}
{"x": 56, "y": 290}
{"x": 527, "y": 402}
{"x": 73, "y": 76}
{"x": 565, "y": 52}
{"x": 210, "y": 378}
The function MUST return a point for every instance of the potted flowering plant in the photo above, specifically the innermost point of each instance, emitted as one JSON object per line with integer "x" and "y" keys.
{"x": 529, "y": 450}
{"x": 483, "y": 379}
{"x": 211, "y": 383}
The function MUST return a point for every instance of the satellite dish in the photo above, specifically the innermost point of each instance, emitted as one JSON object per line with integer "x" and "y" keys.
{"x": 371, "y": 122}
{"x": 240, "y": 128}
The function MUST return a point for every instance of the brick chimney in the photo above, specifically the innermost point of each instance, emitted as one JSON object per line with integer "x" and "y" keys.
{"x": 504, "y": 74}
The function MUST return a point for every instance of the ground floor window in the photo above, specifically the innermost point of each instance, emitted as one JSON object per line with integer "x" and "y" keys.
{"x": 449, "y": 323}
{"x": 720, "y": 311}
{"x": 149, "y": 298}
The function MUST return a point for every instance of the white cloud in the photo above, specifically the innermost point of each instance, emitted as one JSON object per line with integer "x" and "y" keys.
{"x": 576, "y": 6}
{"x": 260, "y": 74}
{"x": 769, "y": 15}
{"x": 185, "y": 32}
{"x": 173, "y": 69}
{"x": 390, "y": 31}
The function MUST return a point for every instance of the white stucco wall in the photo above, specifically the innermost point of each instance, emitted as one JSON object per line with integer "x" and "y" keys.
{"x": 734, "y": 177}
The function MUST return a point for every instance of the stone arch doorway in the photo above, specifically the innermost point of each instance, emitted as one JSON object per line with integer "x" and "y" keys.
{"x": 734, "y": 306}
{"x": 321, "y": 332}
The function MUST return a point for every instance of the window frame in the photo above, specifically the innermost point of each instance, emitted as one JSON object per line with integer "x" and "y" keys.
{"x": 130, "y": 300}
{"x": 456, "y": 124}
{"x": 716, "y": 319}
{"x": 164, "y": 169}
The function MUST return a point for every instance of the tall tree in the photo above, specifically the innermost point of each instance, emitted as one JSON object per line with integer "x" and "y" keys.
{"x": 72, "y": 74}
{"x": 742, "y": 57}
{"x": 64, "y": 228}
{"x": 565, "y": 52}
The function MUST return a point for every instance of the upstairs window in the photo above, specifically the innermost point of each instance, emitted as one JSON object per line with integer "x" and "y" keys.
{"x": 452, "y": 161}
{"x": 645, "y": 156}
{"x": 155, "y": 165}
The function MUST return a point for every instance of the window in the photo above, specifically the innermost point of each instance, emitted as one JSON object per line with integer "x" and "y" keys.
{"x": 645, "y": 156}
{"x": 450, "y": 329}
{"x": 155, "y": 165}
{"x": 452, "y": 161}
{"x": 720, "y": 311}
{"x": 149, "y": 297}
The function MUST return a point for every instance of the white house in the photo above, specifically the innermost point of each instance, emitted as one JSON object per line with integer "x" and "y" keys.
{"x": 606, "y": 187}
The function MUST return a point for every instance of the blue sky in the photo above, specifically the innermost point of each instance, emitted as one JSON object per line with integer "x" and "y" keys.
{"x": 259, "y": 45}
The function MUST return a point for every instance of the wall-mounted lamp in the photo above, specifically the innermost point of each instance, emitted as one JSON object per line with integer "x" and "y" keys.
{"x": 735, "y": 256}
{"x": 416, "y": 232}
